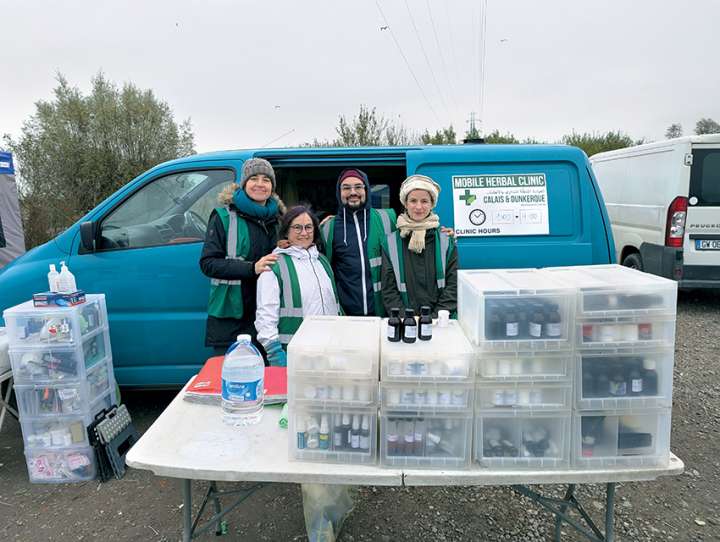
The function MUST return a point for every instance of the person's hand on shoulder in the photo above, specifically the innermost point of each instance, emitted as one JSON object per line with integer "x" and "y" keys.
{"x": 283, "y": 243}
{"x": 264, "y": 263}
{"x": 447, "y": 231}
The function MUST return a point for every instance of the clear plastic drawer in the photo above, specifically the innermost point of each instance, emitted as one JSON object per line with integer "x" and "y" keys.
{"x": 612, "y": 290}
{"x": 56, "y": 432}
{"x": 531, "y": 395}
{"x": 55, "y": 466}
{"x": 336, "y": 347}
{"x": 448, "y": 356}
{"x": 624, "y": 379}
{"x": 619, "y": 438}
{"x": 515, "y": 309}
{"x": 432, "y": 442}
{"x": 307, "y": 391}
{"x": 426, "y": 397}
{"x": 42, "y": 326}
{"x": 60, "y": 399}
{"x": 515, "y": 366}
{"x": 54, "y": 363}
{"x": 538, "y": 440}
{"x": 613, "y": 332}
{"x": 333, "y": 435}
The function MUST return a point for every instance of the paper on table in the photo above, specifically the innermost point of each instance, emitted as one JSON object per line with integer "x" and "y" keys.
{"x": 206, "y": 387}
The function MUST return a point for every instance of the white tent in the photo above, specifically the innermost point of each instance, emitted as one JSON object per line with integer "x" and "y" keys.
{"x": 12, "y": 239}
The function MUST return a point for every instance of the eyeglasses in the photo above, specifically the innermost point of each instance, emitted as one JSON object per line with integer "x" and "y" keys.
{"x": 298, "y": 228}
{"x": 352, "y": 188}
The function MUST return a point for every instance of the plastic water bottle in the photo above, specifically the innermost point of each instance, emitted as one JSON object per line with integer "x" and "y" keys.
{"x": 243, "y": 374}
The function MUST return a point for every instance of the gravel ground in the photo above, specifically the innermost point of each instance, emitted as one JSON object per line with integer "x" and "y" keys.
{"x": 142, "y": 506}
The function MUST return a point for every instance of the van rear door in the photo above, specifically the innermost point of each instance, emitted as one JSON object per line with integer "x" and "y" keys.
{"x": 701, "y": 245}
{"x": 565, "y": 224}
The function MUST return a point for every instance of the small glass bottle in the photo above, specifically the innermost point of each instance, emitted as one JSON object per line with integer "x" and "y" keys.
{"x": 425, "y": 328}
{"x": 394, "y": 326}
{"x": 409, "y": 331}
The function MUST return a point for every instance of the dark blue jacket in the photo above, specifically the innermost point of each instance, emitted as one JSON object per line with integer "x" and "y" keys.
{"x": 349, "y": 256}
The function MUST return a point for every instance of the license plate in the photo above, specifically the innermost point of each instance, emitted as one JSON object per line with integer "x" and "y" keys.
{"x": 707, "y": 244}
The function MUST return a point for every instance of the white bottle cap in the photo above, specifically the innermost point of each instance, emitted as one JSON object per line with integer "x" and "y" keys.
{"x": 443, "y": 318}
{"x": 244, "y": 337}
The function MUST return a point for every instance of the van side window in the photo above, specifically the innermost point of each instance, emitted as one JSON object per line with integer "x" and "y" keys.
{"x": 169, "y": 210}
{"x": 705, "y": 177}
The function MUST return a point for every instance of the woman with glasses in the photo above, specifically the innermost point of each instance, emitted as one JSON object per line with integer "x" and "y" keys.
{"x": 301, "y": 284}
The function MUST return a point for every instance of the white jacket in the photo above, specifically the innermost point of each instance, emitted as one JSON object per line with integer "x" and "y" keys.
{"x": 318, "y": 296}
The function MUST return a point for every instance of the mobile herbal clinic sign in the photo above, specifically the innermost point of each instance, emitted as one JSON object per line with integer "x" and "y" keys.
{"x": 486, "y": 205}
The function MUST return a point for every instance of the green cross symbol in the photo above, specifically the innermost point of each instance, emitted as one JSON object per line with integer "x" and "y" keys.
{"x": 468, "y": 197}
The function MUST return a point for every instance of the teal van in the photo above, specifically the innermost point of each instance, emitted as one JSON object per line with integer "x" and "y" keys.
{"x": 510, "y": 205}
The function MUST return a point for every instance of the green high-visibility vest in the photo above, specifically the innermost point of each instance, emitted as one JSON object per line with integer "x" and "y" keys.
{"x": 382, "y": 224}
{"x": 226, "y": 295}
{"x": 291, "y": 312}
{"x": 443, "y": 249}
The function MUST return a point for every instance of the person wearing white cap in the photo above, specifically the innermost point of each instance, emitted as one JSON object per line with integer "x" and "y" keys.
{"x": 419, "y": 264}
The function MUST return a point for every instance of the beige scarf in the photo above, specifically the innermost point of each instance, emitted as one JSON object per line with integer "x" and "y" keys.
{"x": 406, "y": 226}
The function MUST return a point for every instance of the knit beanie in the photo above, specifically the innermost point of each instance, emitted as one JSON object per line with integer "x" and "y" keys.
{"x": 419, "y": 182}
{"x": 356, "y": 173}
{"x": 256, "y": 166}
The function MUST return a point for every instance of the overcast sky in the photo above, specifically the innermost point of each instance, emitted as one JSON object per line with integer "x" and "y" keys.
{"x": 279, "y": 72}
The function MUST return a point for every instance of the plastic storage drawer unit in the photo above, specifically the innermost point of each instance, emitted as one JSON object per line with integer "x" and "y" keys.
{"x": 606, "y": 439}
{"x": 333, "y": 436}
{"x": 431, "y": 442}
{"x": 614, "y": 290}
{"x": 515, "y": 309}
{"x": 426, "y": 397}
{"x": 57, "y": 432}
{"x": 447, "y": 357}
{"x": 336, "y": 347}
{"x": 530, "y": 439}
{"x": 56, "y": 363}
{"x": 624, "y": 378}
{"x": 307, "y": 391}
{"x": 525, "y": 395}
{"x": 621, "y": 331}
{"x": 524, "y": 366}
{"x": 35, "y": 326}
{"x": 60, "y": 465}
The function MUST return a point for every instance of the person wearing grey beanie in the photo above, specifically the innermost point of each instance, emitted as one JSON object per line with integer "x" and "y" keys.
{"x": 239, "y": 241}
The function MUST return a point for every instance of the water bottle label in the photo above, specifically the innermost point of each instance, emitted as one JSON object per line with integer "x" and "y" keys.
{"x": 242, "y": 391}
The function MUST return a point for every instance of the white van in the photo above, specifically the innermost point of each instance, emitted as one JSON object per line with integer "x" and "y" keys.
{"x": 664, "y": 204}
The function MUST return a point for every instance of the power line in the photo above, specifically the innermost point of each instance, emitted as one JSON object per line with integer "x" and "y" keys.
{"x": 452, "y": 42}
{"x": 442, "y": 58}
{"x": 397, "y": 44}
{"x": 481, "y": 94}
{"x": 427, "y": 59}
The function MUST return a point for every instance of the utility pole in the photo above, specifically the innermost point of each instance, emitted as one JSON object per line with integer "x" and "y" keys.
{"x": 473, "y": 134}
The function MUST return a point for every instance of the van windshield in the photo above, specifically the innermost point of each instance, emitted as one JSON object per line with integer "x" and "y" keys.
{"x": 705, "y": 176}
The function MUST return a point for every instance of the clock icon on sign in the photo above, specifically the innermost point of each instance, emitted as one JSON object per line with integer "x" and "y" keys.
{"x": 477, "y": 217}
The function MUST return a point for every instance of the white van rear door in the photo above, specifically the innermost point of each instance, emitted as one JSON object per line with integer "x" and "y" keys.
{"x": 702, "y": 233}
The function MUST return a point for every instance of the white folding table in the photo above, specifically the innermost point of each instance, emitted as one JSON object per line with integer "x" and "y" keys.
{"x": 189, "y": 441}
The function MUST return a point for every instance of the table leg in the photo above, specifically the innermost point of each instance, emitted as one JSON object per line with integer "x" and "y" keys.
{"x": 5, "y": 402}
{"x": 563, "y": 509}
{"x": 218, "y": 509}
{"x": 610, "y": 513}
{"x": 187, "y": 510}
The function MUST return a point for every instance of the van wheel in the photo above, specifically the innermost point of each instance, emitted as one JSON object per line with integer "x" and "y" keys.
{"x": 634, "y": 261}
